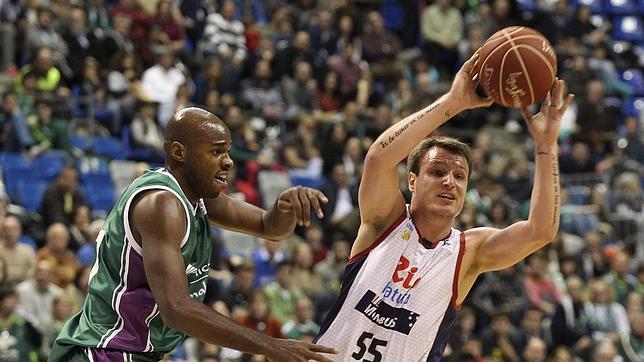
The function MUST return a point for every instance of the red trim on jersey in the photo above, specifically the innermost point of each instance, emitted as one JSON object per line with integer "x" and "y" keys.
{"x": 381, "y": 237}
{"x": 459, "y": 259}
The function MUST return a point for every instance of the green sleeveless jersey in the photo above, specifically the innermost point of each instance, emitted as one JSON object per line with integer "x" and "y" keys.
{"x": 120, "y": 312}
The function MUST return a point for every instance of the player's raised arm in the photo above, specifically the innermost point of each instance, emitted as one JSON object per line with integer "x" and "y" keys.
{"x": 380, "y": 198}
{"x": 497, "y": 249}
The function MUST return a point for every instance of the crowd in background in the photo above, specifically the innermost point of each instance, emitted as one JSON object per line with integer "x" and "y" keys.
{"x": 305, "y": 86}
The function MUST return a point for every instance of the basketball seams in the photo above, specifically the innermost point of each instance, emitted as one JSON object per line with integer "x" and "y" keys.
{"x": 541, "y": 56}
{"x": 508, "y": 41}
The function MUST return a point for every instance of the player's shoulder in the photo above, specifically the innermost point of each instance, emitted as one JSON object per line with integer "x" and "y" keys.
{"x": 475, "y": 236}
{"x": 154, "y": 202}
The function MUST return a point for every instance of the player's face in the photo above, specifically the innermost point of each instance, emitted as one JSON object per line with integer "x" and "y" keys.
{"x": 441, "y": 182}
{"x": 208, "y": 161}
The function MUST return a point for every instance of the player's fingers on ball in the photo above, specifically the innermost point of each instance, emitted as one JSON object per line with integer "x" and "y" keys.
{"x": 568, "y": 102}
{"x": 527, "y": 117}
{"x": 306, "y": 206}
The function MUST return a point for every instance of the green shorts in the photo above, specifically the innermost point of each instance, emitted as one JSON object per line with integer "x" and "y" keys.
{"x": 63, "y": 352}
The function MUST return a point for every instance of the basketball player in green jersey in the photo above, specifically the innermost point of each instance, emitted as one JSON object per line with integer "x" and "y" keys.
{"x": 147, "y": 285}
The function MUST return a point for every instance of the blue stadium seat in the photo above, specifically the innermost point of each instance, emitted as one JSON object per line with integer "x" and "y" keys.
{"x": 625, "y": 7}
{"x": 313, "y": 182}
{"x": 634, "y": 107}
{"x": 640, "y": 7}
{"x": 100, "y": 195}
{"x": 635, "y": 79}
{"x": 594, "y": 5}
{"x": 526, "y": 5}
{"x": 109, "y": 147}
{"x": 28, "y": 240}
{"x": 132, "y": 152}
{"x": 80, "y": 142}
{"x": 628, "y": 28}
{"x": 49, "y": 164}
{"x": 14, "y": 161}
{"x": 31, "y": 193}
{"x": 392, "y": 15}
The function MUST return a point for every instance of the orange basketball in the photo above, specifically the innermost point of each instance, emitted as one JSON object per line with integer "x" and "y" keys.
{"x": 517, "y": 66}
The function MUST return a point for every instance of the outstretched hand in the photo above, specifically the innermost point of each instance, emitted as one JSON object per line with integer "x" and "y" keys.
{"x": 299, "y": 200}
{"x": 288, "y": 350}
{"x": 544, "y": 126}
{"x": 463, "y": 89}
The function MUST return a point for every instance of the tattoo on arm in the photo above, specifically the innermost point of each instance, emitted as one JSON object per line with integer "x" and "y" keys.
{"x": 404, "y": 127}
{"x": 555, "y": 175}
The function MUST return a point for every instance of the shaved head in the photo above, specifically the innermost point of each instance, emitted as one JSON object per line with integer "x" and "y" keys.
{"x": 196, "y": 149}
{"x": 189, "y": 125}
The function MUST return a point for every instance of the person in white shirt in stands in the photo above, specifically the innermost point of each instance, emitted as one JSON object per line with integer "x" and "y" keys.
{"x": 161, "y": 82}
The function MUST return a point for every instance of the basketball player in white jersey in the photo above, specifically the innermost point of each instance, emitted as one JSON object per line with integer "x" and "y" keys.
{"x": 409, "y": 270}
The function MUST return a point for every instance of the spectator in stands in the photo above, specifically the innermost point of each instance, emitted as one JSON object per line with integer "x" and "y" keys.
{"x": 500, "y": 339}
{"x": 303, "y": 277}
{"x": 570, "y": 324}
{"x": 631, "y": 346}
{"x": 63, "y": 262}
{"x": 266, "y": 258}
{"x": 348, "y": 67}
{"x": 380, "y": 48}
{"x": 335, "y": 139}
{"x": 620, "y": 277}
{"x": 47, "y": 131}
{"x": 19, "y": 258}
{"x": 328, "y": 94}
{"x": 332, "y": 267}
{"x": 139, "y": 20}
{"x": 347, "y": 34}
{"x": 36, "y": 296}
{"x": 281, "y": 293}
{"x": 236, "y": 295}
{"x": 80, "y": 231}
{"x": 300, "y": 152}
{"x": 608, "y": 318}
{"x": 462, "y": 334}
{"x": 61, "y": 198}
{"x": 49, "y": 77}
{"x": 302, "y": 323}
{"x": 298, "y": 49}
{"x": 145, "y": 131}
{"x": 502, "y": 291}
{"x": 61, "y": 312}
{"x": 262, "y": 95}
{"x": 14, "y": 133}
{"x": 593, "y": 107}
{"x": 44, "y": 35}
{"x": 578, "y": 161}
{"x": 259, "y": 317}
{"x": 531, "y": 326}
{"x": 80, "y": 42}
{"x": 324, "y": 35}
{"x": 342, "y": 209}
{"x": 16, "y": 347}
{"x": 169, "y": 21}
{"x": 535, "y": 350}
{"x": 541, "y": 289}
{"x": 161, "y": 82}
{"x": 299, "y": 92}
{"x": 604, "y": 352}
{"x": 117, "y": 39}
{"x": 224, "y": 35}
{"x": 516, "y": 176}
{"x": 442, "y": 28}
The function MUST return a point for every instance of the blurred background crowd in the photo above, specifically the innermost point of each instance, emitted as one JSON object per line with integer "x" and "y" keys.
{"x": 305, "y": 86}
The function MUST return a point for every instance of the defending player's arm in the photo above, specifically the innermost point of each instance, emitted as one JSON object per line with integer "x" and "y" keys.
{"x": 160, "y": 223}
{"x": 380, "y": 198}
{"x": 498, "y": 249}
{"x": 293, "y": 206}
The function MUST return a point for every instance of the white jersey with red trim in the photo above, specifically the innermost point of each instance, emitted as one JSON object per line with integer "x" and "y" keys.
{"x": 398, "y": 298}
